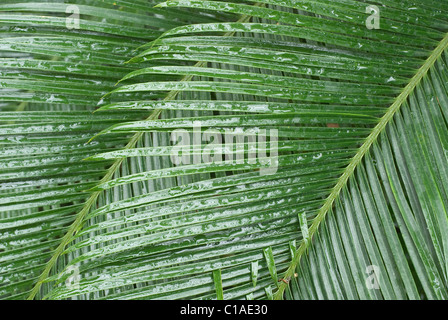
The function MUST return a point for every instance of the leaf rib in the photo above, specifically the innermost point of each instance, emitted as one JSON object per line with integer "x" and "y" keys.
{"x": 77, "y": 224}
{"x": 356, "y": 160}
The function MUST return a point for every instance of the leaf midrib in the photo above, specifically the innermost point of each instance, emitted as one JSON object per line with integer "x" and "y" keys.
{"x": 77, "y": 224}
{"x": 356, "y": 160}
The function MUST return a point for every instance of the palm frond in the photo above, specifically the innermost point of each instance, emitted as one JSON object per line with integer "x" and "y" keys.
{"x": 360, "y": 176}
{"x": 52, "y": 79}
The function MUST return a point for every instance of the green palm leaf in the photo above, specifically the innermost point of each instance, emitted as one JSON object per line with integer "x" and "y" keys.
{"x": 356, "y": 207}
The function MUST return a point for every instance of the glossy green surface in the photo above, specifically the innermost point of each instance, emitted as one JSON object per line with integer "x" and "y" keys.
{"x": 87, "y": 183}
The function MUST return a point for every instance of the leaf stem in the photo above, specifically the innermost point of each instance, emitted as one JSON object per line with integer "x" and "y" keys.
{"x": 356, "y": 160}
{"x": 77, "y": 224}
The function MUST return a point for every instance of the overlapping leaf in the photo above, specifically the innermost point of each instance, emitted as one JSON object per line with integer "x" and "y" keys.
{"x": 351, "y": 106}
